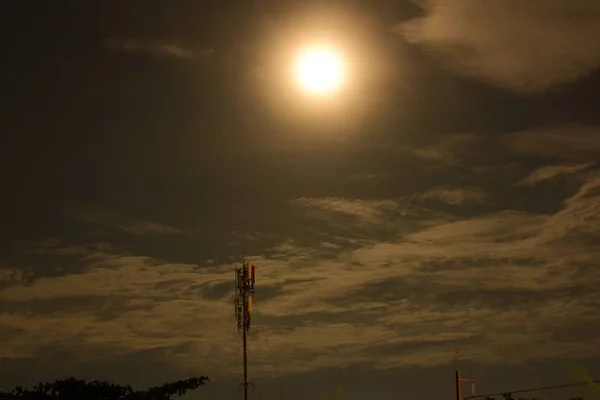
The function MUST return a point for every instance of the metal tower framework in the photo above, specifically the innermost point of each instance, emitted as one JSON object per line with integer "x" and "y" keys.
{"x": 245, "y": 277}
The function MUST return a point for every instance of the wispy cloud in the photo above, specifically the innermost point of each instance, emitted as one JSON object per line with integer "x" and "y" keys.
{"x": 369, "y": 215}
{"x": 106, "y": 299}
{"x": 497, "y": 269}
{"x": 444, "y": 150}
{"x": 499, "y": 40}
{"x": 573, "y": 142}
{"x": 11, "y": 276}
{"x": 364, "y": 210}
{"x": 157, "y": 48}
{"x": 452, "y": 195}
{"x": 402, "y": 298}
{"x": 474, "y": 282}
{"x": 134, "y": 226}
{"x": 551, "y": 172}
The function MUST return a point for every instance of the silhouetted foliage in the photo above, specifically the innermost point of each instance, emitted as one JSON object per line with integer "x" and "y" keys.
{"x": 81, "y": 389}
{"x": 509, "y": 396}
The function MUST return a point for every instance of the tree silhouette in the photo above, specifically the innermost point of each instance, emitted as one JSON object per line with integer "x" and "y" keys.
{"x": 509, "y": 396}
{"x": 81, "y": 389}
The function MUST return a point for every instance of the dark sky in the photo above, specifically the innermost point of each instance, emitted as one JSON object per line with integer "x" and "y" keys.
{"x": 448, "y": 196}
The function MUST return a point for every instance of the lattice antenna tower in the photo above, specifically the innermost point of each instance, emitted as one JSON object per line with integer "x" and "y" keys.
{"x": 245, "y": 277}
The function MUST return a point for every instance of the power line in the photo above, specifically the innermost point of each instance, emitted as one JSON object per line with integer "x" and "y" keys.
{"x": 533, "y": 389}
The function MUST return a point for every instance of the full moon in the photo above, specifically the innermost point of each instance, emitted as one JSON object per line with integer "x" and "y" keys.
{"x": 319, "y": 71}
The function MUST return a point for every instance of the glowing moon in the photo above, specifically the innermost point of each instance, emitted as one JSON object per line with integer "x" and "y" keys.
{"x": 319, "y": 71}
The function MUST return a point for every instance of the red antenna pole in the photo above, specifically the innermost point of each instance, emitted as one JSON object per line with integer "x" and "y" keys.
{"x": 459, "y": 379}
{"x": 457, "y": 375}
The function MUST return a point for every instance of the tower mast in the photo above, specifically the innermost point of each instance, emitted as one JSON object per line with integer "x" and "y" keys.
{"x": 244, "y": 283}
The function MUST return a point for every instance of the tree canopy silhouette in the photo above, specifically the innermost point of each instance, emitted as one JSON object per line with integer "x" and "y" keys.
{"x": 509, "y": 396}
{"x": 81, "y": 389}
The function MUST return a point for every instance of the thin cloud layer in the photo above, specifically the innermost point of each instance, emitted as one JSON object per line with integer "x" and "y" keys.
{"x": 568, "y": 144}
{"x": 362, "y": 210}
{"x": 367, "y": 218}
{"x": 134, "y": 226}
{"x": 473, "y": 282}
{"x": 454, "y": 196}
{"x": 157, "y": 48}
{"x": 526, "y": 46}
{"x": 574, "y": 142}
{"x": 551, "y": 172}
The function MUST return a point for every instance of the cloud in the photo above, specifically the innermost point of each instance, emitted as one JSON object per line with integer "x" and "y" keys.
{"x": 372, "y": 210}
{"x": 157, "y": 48}
{"x": 367, "y": 177}
{"x": 573, "y": 142}
{"x": 527, "y": 46}
{"x": 503, "y": 285}
{"x": 121, "y": 303}
{"x": 11, "y": 275}
{"x": 445, "y": 150}
{"x": 133, "y": 226}
{"x": 502, "y": 155}
{"x": 551, "y": 172}
{"x": 578, "y": 223}
{"x": 454, "y": 196}
{"x": 380, "y": 214}
{"x": 483, "y": 277}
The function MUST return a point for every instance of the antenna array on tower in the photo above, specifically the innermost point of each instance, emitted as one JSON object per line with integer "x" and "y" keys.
{"x": 245, "y": 277}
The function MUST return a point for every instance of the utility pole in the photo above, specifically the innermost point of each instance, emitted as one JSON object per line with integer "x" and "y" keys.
{"x": 457, "y": 375}
{"x": 458, "y": 379}
{"x": 244, "y": 285}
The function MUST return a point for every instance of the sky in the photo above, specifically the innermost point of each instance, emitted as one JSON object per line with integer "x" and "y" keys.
{"x": 448, "y": 197}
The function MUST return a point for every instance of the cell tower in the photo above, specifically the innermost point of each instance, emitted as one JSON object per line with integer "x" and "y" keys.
{"x": 244, "y": 285}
